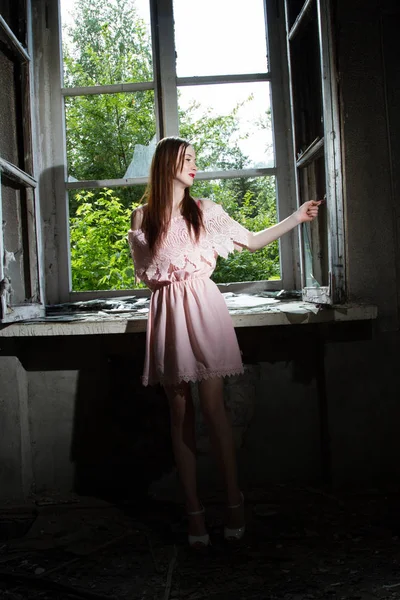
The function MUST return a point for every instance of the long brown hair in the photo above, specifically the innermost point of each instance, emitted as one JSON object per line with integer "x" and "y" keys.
{"x": 159, "y": 194}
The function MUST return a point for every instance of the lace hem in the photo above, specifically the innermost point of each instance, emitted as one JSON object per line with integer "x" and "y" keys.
{"x": 193, "y": 377}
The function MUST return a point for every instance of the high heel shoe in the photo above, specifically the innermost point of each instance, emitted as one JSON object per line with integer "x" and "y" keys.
{"x": 235, "y": 533}
{"x": 198, "y": 542}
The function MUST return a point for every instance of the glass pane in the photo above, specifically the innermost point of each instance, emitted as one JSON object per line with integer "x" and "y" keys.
{"x": 100, "y": 219}
{"x": 16, "y": 252}
{"x": 230, "y": 124}
{"x": 106, "y": 134}
{"x": 315, "y": 234}
{"x": 307, "y": 85}
{"x": 106, "y": 42}
{"x": 10, "y": 120}
{"x": 220, "y": 38}
{"x": 99, "y": 223}
{"x": 252, "y": 202}
{"x": 14, "y": 15}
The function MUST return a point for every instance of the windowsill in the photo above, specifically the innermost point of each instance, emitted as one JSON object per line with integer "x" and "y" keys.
{"x": 129, "y": 315}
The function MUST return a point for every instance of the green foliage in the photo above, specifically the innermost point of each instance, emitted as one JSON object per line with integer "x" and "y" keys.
{"x": 108, "y": 44}
{"x": 100, "y": 257}
{"x": 251, "y": 202}
{"x": 212, "y": 136}
{"x": 246, "y": 266}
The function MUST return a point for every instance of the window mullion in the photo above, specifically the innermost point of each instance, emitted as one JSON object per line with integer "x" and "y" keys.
{"x": 165, "y": 67}
{"x": 217, "y": 79}
{"x": 107, "y": 89}
{"x": 201, "y": 176}
{"x": 3, "y": 281}
{"x": 51, "y": 157}
{"x": 280, "y": 107}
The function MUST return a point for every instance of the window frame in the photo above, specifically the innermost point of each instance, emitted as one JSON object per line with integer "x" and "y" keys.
{"x": 165, "y": 85}
{"x": 26, "y": 180}
{"x": 328, "y": 146}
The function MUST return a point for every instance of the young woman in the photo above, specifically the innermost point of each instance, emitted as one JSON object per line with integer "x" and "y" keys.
{"x": 175, "y": 241}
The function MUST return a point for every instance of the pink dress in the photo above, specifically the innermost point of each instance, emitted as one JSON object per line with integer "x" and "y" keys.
{"x": 190, "y": 334}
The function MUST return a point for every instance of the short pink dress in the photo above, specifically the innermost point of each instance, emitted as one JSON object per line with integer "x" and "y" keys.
{"x": 190, "y": 334}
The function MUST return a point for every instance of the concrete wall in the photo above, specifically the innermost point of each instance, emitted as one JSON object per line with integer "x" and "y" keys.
{"x": 368, "y": 49}
{"x": 16, "y": 470}
{"x": 90, "y": 426}
{"x": 93, "y": 428}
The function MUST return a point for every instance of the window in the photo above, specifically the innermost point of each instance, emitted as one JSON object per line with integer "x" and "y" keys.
{"x": 114, "y": 110}
{"x": 105, "y": 95}
{"x": 20, "y": 279}
{"x": 316, "y": 141}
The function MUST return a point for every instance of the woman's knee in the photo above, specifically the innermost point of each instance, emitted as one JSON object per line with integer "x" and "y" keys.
{"x": 212, "y": 399}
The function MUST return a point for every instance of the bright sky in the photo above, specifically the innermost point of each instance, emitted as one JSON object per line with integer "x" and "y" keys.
{"x": 220, "y": 37}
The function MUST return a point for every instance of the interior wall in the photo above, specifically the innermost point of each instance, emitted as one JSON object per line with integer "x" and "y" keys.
{"x": 367, "y": 56}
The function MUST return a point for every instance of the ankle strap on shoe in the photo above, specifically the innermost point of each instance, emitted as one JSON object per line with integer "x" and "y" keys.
{"x": 196, "y": 512}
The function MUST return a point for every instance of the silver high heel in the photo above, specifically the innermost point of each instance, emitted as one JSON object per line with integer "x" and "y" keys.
{"x": 235, "y": 534}
{"x": 198, "y": 541}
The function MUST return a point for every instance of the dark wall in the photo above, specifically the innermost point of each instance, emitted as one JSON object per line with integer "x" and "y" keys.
{"x": 368, "y": 50}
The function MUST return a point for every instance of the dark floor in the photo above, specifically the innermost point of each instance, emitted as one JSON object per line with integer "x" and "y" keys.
{"x": 301, "y": 543}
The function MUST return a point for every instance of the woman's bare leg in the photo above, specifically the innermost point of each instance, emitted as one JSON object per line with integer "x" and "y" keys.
{"x": 211, "y": 392}
{"x": 184, "y": 448}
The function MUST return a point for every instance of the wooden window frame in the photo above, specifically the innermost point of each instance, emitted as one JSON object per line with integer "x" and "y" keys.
{"x": 327, "y": 145}
{"x": 26, "y": 181}
{"x": 165, "y": 85}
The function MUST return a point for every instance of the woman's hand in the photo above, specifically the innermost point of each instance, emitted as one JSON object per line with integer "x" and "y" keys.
{"x": 308, "y": 211}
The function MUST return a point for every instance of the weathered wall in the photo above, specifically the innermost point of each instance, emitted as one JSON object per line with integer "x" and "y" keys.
{"x": 16, "y": 470}
{"x": 363, "y": 378}
{"x": 368, "y": 49}
{"x": 95, "y": 429}
{"x": 75, "y": 416}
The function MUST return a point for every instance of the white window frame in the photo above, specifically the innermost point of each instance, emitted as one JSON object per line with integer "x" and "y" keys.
{"x": 165, "y": 84}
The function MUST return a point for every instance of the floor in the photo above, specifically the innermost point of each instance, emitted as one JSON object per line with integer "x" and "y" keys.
{"x": 301, "y": 543}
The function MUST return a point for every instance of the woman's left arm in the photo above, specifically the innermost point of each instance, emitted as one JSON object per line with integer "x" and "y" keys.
{"x": 305, "y": 213}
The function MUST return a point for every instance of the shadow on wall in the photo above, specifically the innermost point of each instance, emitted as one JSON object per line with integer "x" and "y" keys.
{"x": 121, "y": 438}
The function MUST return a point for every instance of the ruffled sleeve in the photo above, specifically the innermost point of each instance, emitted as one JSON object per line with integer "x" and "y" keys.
{"x": 224, "y": 233}
{"x": 139, "y": 251}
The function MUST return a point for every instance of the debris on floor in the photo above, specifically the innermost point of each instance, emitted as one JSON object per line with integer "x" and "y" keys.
{"x": 301, "y": 543}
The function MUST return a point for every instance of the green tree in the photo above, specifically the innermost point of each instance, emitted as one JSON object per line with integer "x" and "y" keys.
{"x": 108, "y": 44}
{"x": 100, "y": 257}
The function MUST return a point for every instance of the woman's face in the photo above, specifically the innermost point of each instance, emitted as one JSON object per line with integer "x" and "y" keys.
{"x": 186, "y": 175}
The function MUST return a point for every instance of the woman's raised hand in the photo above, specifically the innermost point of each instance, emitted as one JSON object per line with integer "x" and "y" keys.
{"x": 308, "y": 211}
